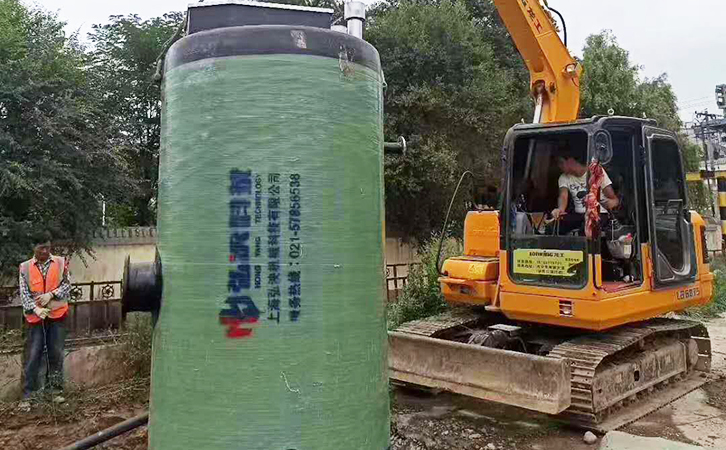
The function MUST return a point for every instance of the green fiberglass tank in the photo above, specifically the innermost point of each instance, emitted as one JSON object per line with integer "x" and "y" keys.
{"x": 272, "y": 329}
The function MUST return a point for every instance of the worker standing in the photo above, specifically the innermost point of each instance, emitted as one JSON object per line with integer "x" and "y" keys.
{"x": 45, "y": 286}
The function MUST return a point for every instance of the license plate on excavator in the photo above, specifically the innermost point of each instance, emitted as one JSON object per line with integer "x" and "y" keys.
{"x": 533, "y": 382}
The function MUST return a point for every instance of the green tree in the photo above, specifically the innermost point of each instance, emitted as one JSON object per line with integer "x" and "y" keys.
{"x": 124, "y": 61}
{"x": 656, "y": 100}
{"x": 58, "y": 147}
{"x": 612, "y": 81}
{"x": 445, "y": 83}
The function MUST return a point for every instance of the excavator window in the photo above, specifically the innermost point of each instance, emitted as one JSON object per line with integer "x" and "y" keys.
{"x": 540, "y": 254}
{"x": 669, "y": 198}
{"x": 619, "y": 271}
{"x": 535, "y": 180}
{"x": 538, "y": 244}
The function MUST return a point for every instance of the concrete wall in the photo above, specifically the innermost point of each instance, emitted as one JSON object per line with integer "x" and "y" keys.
{"x": 110, "y": 248}
{"x": 714, "y": 236}
{"x": 400, "y": 252}
{"x": 88, "y": 366}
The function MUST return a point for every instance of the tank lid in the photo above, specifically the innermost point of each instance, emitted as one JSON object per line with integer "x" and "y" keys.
{"x": 214, "y": 14}
{"x": 260, "y": 4}
{"x": 271, "y": 40}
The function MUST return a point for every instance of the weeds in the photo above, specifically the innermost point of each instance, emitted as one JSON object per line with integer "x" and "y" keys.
{"x": 133, "y": 361}
{"x": 135, "y": 354}
{"x": 718, "y": 304}
{"x": 421, "y": 297}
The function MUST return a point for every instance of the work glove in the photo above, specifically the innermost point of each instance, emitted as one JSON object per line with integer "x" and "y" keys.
{"x": 44, "y": 299}
{"x": 41, "y": 312}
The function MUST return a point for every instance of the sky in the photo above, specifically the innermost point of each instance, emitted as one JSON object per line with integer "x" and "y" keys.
{"x": 685, "y": 39}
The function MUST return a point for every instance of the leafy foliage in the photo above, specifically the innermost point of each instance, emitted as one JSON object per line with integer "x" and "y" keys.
{"x": 718, "y": 304}
{"x": 124, "y": 59}
{"x": 134, "y": 357}
{"x": 446, "y": 84}
{"x": 421, "y": 297}
{"x": 612, "y": 81}
{"x": 700, "y": 197}
{"x": 59, "y": 150}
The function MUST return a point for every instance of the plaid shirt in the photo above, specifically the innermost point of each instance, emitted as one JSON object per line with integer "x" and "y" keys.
{"x": 61, "y": 293}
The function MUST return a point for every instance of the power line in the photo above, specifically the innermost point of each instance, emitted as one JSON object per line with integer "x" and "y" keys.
{"x": 705, "y": 100}
{"x": 695, "y": 99}
{"x": 695, "y": 105}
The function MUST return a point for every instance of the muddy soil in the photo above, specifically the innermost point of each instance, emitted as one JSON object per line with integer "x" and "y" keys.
{"x": 36, "y": 431}
{"x": 425, "y": 421}
{"x": 52, "y": 426}
{"x": 420, "y": 420}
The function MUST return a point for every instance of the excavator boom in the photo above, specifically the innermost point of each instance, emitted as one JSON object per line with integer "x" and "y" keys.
{"x": 554, "y": 73}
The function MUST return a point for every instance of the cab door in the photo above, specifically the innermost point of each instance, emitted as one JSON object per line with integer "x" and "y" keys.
{"x": 669, "y": 220}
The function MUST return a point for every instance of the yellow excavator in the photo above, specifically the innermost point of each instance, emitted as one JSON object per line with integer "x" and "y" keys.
{"x": 565, "y": 315}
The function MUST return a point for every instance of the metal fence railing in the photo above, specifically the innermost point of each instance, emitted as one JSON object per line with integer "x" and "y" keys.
{"x": 83, "y": 291}
{"x": 96, "y": 290}
{"x": 93, "y": 306}
{"x": 97, "y": 304}
{"x": 396, "y": 278}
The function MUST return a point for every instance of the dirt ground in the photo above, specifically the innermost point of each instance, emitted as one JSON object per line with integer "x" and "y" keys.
{"x": 52, "y": 426}
{"x": 447, "y": 421}
{"x": 420, "y": 421}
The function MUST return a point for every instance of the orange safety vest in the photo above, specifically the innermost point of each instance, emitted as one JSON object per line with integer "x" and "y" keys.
{"x": 39, "y": 285}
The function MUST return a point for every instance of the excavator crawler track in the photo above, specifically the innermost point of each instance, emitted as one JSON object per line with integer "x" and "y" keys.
{"x": 590, "y": 354}
{"x": 615, "y": 377}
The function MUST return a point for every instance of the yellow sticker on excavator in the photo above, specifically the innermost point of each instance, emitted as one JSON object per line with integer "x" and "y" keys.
{"x": 559, "y": 263}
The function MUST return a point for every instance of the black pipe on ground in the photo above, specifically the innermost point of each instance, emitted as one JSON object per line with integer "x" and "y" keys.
{"x": 109, "y": 433}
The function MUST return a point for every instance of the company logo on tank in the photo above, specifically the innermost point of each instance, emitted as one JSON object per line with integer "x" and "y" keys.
{"x": 283, "y": 196}
{"x": 242, "y": 309}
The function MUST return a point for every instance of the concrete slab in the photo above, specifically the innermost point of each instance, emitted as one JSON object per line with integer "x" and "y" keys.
{"x": 93, "y": 365}
{"x": 11, "y": 367}
{"x": 617, "y": 440}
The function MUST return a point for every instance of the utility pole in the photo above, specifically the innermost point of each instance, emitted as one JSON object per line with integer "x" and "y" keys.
{"x": 707, "y": 155}
{"x": 721, "y": 97}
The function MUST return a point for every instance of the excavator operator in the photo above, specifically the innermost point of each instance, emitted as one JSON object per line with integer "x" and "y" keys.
{"x": 573, "y": 183}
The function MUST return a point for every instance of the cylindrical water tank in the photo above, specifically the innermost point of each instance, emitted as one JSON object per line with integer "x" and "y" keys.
{"x": 272, "y": 330}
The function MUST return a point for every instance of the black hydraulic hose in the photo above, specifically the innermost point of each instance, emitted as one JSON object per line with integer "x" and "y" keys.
{"x": 446, "y": 221}
{"x": 109, "y": 433}
{"x": 564, "y": 24}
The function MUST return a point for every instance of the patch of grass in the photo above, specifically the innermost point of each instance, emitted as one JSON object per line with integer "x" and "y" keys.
{"x": 421, "y": 297}
{"x": 135, "y": 355}
{"x": 718, "y": 304}
{"x": 81, "y": 404}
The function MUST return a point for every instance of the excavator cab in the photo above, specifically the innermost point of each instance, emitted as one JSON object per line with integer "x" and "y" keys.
{"x": 523, "y": 263}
